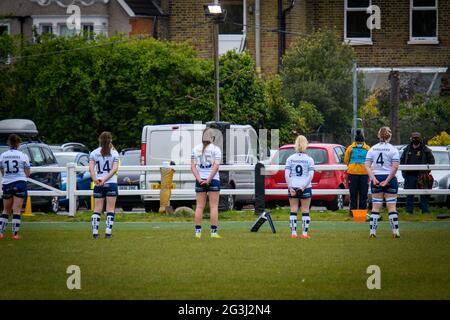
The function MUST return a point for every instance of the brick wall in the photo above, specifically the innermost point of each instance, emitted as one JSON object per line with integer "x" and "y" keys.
{"x": 141, "y": 26}
{"x": 389, "y": 49}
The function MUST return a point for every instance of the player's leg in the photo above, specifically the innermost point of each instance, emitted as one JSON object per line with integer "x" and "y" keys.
{"x": 200, "y": 207}
{"x": 377, "y": 203}
{"x": 391, "y": 203}
{"x": 17, "y": 208}
{"x": 306, "y": 202}
{"x": 99, "y": 202}
{"x": 293, "y": 203}
{"x": 7, "y": 209}
{"x": 111, "y": 198}
{"x": 214, "y": 212}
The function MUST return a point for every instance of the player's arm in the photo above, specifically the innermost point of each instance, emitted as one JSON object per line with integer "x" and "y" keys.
{"x": 113, "y": 170}
{"x": 216, "y": 165}
{"x": 287, "y": 177}
{"x": 194, "y": 168}
{"x": 368, "y": 166}
{"x": 310, "y": 175}
{"x": 92, "y": 171}
{"x": 26, "y": 167}
{"x": 2, "y": 170}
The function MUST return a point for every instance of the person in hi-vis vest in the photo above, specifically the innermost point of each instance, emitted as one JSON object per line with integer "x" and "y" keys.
{"x": 358, "y": 180}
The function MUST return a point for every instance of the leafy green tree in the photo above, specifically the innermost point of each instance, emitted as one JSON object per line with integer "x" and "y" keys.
{"x": 318, "y": 70}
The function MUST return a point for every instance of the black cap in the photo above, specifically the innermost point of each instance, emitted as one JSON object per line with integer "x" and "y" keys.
{"x": 359, "y": 137}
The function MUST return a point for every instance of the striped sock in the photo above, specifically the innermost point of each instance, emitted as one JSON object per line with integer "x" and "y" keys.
{"x": 95, "y": 218}
{"x": 393, "y": 220}
{"x": 15, "y": 224}
{"x": 198, "y": 229}
{"x": 305, "y": 223}
{"x": 109, "y": 222}
{"x": 293, "y": 222}
{"x": 374, "y": 216}
{"x": 213, "y": 229}
{"x": 3, "y": 222}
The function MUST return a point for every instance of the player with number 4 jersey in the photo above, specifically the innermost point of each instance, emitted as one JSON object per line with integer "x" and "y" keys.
{"x": 103, "y": 166}
{"x": 382, "y": 161}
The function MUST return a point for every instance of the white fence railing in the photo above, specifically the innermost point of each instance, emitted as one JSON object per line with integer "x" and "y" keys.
{"x": 72, "y": 193}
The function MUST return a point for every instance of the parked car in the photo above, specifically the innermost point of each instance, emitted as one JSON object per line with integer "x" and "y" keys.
{"x": 129, "y": 180}
{"x": 441, "y": 178}
{"x": 70, "y": 147}
{"x": 322, "y": 153}
{"x": 83, "y": 178}
{"x": 174, "y": 143}
{"x": 40, "y": 155}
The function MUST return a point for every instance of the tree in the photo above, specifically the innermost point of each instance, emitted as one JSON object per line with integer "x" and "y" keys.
{"x": 318, "y": 70}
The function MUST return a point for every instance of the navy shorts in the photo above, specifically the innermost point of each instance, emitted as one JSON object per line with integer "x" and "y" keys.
{"x": 306, "y": 194}
{"x": 213, "y": 186}
{"x": 15, "y": 189}
{"x": 391, "y": 187}
{"x": 107, "y": 190}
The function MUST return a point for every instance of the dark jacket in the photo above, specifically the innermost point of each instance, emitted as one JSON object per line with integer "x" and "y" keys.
{"x": 421, "y": 155}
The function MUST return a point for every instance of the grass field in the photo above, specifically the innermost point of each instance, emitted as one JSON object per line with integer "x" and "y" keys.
{"x": 153, "y": 258}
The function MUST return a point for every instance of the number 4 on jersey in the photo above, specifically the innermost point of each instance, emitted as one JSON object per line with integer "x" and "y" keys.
{"x": 105, "y": 167}
{"x": 380, "y": 160}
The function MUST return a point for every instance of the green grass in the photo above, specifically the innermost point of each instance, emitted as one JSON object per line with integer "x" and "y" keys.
{"x": 158, "y": 259}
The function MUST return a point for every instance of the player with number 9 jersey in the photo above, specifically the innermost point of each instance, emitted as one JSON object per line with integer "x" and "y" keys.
{"x": 300, "y": 168}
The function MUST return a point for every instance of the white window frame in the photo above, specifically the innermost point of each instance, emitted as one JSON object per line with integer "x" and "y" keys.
{"x": 423, "y": 40}
{"x": 100, "y": 23}
{"x": 8, "y": 26}
{"x": 355, "y": 41}
{"x": 45, "y": 25}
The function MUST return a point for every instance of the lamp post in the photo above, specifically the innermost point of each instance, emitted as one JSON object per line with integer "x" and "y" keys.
{"x": 217, "y": 14}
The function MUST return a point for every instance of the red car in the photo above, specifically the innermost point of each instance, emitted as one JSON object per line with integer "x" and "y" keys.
{"x": 322, "y": 153}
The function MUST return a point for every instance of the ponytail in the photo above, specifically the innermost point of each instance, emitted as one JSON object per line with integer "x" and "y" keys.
{"x": 207, "y": 138}
{"x": 105, "y": 140}
{"x": 14, "y": 141}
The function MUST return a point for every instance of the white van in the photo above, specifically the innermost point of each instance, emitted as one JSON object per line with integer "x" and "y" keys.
{"x": 173, "y": 143}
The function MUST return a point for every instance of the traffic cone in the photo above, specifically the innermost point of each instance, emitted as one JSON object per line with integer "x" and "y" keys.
{"x": 28, "y": 211}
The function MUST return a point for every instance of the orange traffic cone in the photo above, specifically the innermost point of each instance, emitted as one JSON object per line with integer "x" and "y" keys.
{"x": 28, "y": 211}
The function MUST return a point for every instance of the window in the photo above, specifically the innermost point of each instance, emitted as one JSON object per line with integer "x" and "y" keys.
{"x": 356, "y": 16}
{"x": 234, "y": 19}
{"x": 36, "y": 156}
{"x": 339, "y": 155}
{"x": 88, "y": 31}
{"x": 4, "y": 28}
{"x": 424, "y": 21}
{"x": 49, "y": 158}
{"x": 84, "y": 161}
{"x": 65, "y": 31}
{"x": 46, "y": 28}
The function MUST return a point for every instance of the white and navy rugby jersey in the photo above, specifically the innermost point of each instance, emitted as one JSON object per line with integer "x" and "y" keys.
{"x": 300, "y": 170}
{"x": 204, "y": 160}
{"x": 382, "y": 155}
{"x": 103, "y": 165}
{"x": 13, "y": 162}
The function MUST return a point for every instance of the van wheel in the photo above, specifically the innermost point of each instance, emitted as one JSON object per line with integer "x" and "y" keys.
{"x": 151, "y": 206}
{"x": 227, "y": 202}
{"x": 127, "y": 208}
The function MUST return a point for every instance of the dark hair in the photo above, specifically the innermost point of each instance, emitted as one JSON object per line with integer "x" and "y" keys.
{"x": 359, "y": 137}
{"x": 105, "y": 140}
{"x": 14, "y": 141}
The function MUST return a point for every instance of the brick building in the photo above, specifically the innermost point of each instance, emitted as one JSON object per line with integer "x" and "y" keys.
{"x": 414, "y": 36}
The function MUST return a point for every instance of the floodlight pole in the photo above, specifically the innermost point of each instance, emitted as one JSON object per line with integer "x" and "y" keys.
{"x": 216, "y": 67}
{"x": 355, "y": 99}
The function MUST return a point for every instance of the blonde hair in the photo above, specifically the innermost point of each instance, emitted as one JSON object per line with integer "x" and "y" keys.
{"x": 385, "y": 134}
{"x": 207, "y": 138}
{"x": 301, "y": 143}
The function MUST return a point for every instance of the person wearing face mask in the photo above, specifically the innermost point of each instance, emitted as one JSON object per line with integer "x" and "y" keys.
{"x": 415, "y": 153}
{"x": 358, "y": 180}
